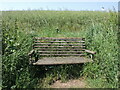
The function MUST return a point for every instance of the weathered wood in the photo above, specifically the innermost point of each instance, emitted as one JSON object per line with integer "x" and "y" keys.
{"x": 62, "y": 60}
{"x": 31, "y": 52}
{"x": 59, "y": 38}
{"x": 60, "y": 51}
{"x": 58, "y": 46}
{"x": 60, "y": 41}
{"x": 61, "y": 54}
{"x": 88, "y": 51}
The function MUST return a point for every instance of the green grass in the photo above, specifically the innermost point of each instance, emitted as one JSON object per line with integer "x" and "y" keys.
{"x": 19, "y": 27}
{"x": 98, "y": 83}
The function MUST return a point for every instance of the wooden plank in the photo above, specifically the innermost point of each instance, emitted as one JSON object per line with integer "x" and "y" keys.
{"x": 65, "y": 49}
{"x": 61, "y": 54}
{"x": 58, "y": 46}
{"x": 60, "y": 51}
{"x": 88, "y": 51}
{"x": 62, "y": 60}
{"x": 64, "y": 38}
{"x": 31, "y": 52}
{"x": 60, "y": 41}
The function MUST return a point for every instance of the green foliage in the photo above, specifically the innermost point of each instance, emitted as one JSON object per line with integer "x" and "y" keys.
{"x": 103, "y": 39}
{"x": 19, "y": 27}
{"x": 98, "y": 83}
{"x": 61, "y": 72}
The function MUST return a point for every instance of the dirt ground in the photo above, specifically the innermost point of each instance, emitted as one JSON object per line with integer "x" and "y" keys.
{"x": 76, "y": 83}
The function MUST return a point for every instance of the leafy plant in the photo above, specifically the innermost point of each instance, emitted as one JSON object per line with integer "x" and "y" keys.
{"x": 19, "y": 27}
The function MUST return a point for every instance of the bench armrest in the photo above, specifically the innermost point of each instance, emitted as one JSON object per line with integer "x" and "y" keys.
{"x": 31, "y": 52}
{"x": 91, "y": 52}
{"x": 33, "y": 57}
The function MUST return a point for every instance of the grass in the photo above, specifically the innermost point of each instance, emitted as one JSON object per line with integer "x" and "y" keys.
{"x": 19, "y": 27}
{"x": 98, "y": 83}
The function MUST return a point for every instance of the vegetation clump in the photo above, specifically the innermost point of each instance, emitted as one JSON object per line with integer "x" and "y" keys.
{"x": 19, "y": 27}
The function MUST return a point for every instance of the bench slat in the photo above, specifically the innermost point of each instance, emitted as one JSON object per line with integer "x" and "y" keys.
{"x": 59, "y": 46}
{"x": 62, "y": 60}
{"x": 61, "y": 54}
{"x": 60, "y": 41}
{"x": 62, "y": 51}
{"x": 59, "y": 38}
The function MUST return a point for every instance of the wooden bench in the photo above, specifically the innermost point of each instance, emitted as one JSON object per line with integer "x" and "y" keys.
{"x": 51, "y": 51}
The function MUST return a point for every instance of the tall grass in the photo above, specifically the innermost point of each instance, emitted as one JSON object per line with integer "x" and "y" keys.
{"x": 104, "y": 41}
{"x": 19, "y": 27}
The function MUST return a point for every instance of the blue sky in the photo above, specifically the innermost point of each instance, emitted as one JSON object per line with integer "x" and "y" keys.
{"x": 58, "y": 5}
{"x": 59, "y": 0}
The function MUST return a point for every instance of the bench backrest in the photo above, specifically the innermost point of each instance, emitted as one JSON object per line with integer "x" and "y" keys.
{"x": 46, "y": 46}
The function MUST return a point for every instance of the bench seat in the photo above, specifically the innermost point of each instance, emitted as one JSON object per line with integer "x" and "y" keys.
{"x": 62, "y": 60}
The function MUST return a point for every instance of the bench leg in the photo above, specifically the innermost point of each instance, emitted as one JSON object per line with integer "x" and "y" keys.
{"x": 30, "y": 60}
{"x": 92, "y": 56}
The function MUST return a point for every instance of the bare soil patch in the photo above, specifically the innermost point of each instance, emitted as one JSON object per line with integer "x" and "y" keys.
{"x": 75, "y": 83}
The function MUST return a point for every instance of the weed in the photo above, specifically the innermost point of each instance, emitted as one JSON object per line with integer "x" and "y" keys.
{"x": 19, "y": 27}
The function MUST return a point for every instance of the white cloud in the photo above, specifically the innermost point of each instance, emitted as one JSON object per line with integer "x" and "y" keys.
{"x": 59, "y": 0}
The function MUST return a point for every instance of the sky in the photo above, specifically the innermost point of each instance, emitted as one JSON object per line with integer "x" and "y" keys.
{"x": 75, "y": 5}
{"x": 59, "y": 0}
